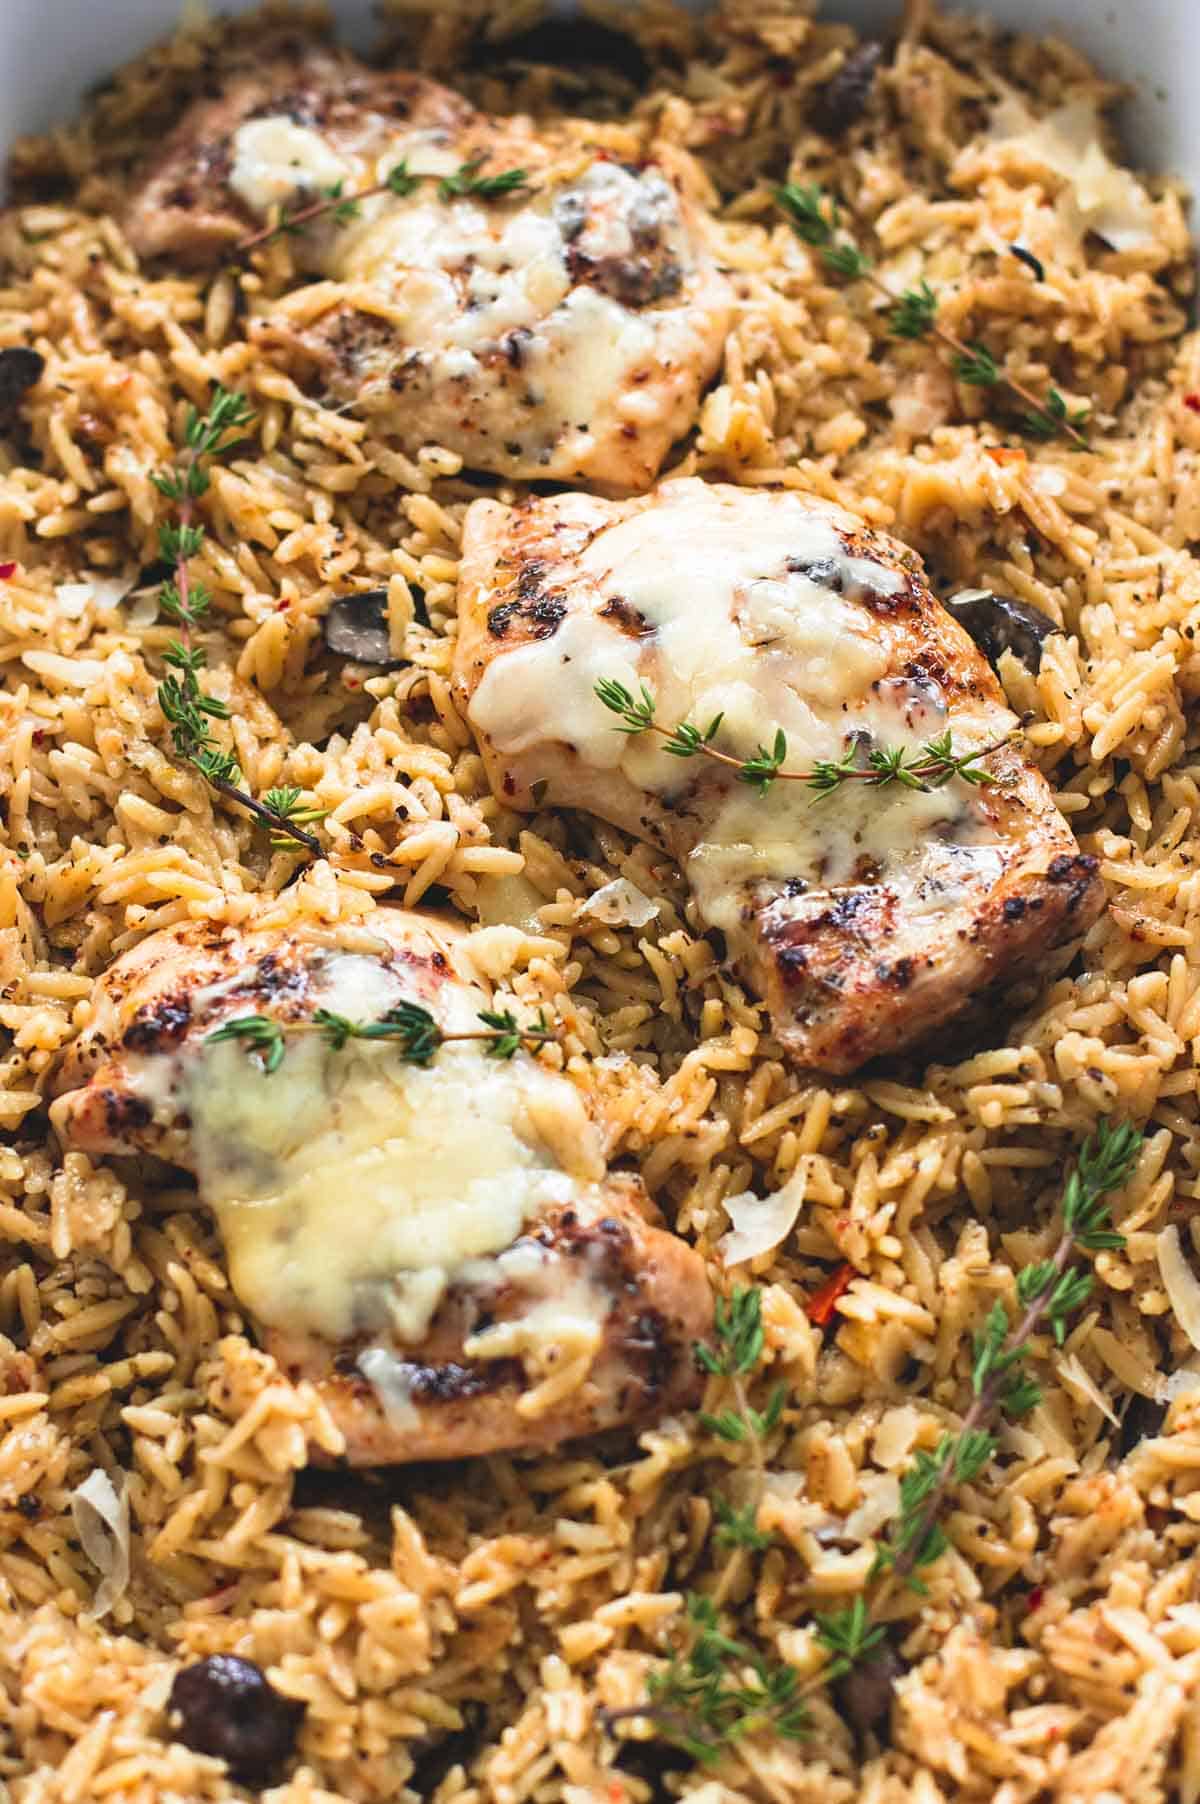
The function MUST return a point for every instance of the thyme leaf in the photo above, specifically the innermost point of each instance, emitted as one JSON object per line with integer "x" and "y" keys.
{"x": 977, "y": 367}
{"x": 467, "y": 180}
{"x": 400, "y": 179}
{"x": 846, "y": 260}
{"x": 739, "y": 1527}
{"x": 740, "y": 1336}
{"x": 717, "y": 1691}
{"x": 287, "y": 803}
{"x": 260, "y": 1032}
{"x": 848, "y": 1635}
{"x": 812, "y": 214}
{"x": 1047, "y": 422}
{"x": 914, "y": 314}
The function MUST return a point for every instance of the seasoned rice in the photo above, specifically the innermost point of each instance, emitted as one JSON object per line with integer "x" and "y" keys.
{"x": 454, "y": 1632}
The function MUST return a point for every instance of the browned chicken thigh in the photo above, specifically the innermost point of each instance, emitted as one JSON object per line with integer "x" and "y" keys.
{"x": 864, "y": 917}
{"x": 440, "y": 1248}
{"x": 563, "y": 328}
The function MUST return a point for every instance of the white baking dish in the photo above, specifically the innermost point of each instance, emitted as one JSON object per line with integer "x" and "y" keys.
{"x": 51, "y": 50}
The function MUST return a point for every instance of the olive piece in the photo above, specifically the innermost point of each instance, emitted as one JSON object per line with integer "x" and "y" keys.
{"x": 457, "y": 1748}
{"x": 356, "y": 627}
{"x": 1000, "y": 623}
{"x": 653, "y": 1762}
{"x": 228, "y": 1708}
{"x": 20, "y": 368}
{"x": 865, "y": 1695}
{"x": 842, "y": 102}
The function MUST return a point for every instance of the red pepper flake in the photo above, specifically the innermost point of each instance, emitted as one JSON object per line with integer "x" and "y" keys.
{"x": 1193, "y": 402}
{"x": 7, "y": 570}
{"x": 39, "y": 735}
{"x": 281, "y": 607}
{"x": 1034, "y": 1600}
{"x": 1006, "y": 454}
{"x": 823, "y": 1302}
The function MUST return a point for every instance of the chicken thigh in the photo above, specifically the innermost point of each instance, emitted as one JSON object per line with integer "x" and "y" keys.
{"x": 863, "y": 917}
{"x": 440, "y": 1247}
{"x": 563, "y": 328}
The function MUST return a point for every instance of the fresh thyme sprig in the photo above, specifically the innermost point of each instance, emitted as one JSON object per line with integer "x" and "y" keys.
{"x": 400, "y": 180}
{"x": 417, "y": 1035}
{"x": 186, "y": 706}
{"x": 816, "y": 218}
{"x": 740, "y": 1338}
{"x": 715, "y": 1690}
{"x": 929, "y": 766}
{"x": 1049, "y": 1292}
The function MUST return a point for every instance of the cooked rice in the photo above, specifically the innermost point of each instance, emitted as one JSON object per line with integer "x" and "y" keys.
{"x": 454, "y": 1631}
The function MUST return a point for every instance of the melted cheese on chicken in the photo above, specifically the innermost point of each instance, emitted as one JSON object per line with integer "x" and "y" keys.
{"x": 763, "y": 613}
{"x": 451, "y": 1229}
{"x": 352, "y": 1188}
{"x": 765, "y": 629}
{"x": 565, "y": 330}
{"x": 441, "y": 1165}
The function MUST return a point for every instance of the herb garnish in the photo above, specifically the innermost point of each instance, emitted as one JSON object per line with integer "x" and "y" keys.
{"x": 847, "y": 1636}
{"x": 740, "y": 1339}
{"x": 816, "y": 218}
{"x": 977, "y": 367}
{"x": 467, "y": 180}
{"x": 1046, "y": 422}
{"x": 186, "y": 706}
{"x": 716, "y": 1690}
{"x": 417, "y": 1035}
{"x": 288, "y": 805}
{"x": 930, "y": 766}
{"x": 1050, "y": 1292}
{"x": 400, "y": 180}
